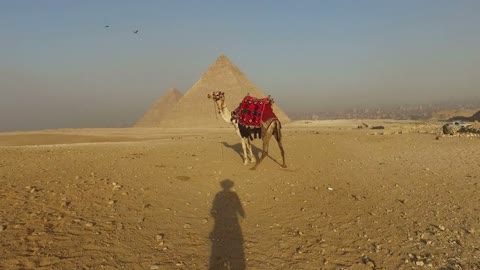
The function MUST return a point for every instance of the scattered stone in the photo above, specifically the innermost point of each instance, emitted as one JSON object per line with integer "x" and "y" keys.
{"x": 187, "y": 226}
{"x": 204, "y": 221}
{"x": 89, "y": 224}
{"x": 111, "y": 202}
{"x": 183, "y": 178}
{"x": 369, "y": 262}
{"x": 441, "y": 227}
{"x": 356, "y": 197}
{"x": 420, "y": 263}
{"x": 3, "y": 227}
{"x": 331, "y": 189}
{"x": 116, "y": 186}
{"x": 65, "y": 203}
{"x": 159, "y": 237}
{"x": 363, "y": 125}
{"x": 470, "y": 230}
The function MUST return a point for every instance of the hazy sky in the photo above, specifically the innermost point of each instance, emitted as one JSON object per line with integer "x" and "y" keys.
{"x": 60, "y": 66}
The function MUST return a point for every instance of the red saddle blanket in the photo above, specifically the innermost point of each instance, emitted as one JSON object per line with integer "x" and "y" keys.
{"x": 253, "y": 111}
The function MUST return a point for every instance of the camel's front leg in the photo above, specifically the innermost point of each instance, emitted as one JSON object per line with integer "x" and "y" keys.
{"x": 250, "y": 152}
{"x": 266, "y": 141}
{"x": 244, "y": 148}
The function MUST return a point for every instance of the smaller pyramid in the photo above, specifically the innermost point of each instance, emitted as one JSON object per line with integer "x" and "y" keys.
{"x": 157, "y": 112}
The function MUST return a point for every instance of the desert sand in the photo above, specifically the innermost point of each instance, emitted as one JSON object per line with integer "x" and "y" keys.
{"x": 152, "y": 199}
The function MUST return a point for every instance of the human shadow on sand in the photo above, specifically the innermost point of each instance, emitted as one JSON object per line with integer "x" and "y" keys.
{"x": 227, "y": 239}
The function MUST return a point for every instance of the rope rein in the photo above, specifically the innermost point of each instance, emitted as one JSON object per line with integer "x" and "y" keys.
{"x": 215, "y": 109}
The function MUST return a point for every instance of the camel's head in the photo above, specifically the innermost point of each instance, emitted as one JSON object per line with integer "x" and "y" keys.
{"x": 219, "y": 99}
{"x": 217, "y": 95}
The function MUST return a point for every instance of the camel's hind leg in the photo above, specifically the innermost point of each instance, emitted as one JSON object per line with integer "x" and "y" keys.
{"x": 266, "y": 142}
{"x": 264, "y": 153}
{"x": 278, "y": 136}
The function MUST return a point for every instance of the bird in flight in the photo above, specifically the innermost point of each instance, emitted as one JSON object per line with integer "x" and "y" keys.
{"x": 107, "y": 26}
{"x": 135, "y": 31}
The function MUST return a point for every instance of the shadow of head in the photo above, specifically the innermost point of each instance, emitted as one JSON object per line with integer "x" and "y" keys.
{"x": 226, "y": 184}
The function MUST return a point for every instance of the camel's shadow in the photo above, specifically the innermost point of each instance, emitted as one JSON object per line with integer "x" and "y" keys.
{"x": 256, "y": 151}
{"x": 238, "y": 149}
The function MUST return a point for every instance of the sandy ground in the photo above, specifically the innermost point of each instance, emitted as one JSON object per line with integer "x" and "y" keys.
{"x": 153, "y": 199}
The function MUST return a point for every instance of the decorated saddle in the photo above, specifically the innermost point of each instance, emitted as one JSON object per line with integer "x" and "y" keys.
{"x": 252, "y": 114}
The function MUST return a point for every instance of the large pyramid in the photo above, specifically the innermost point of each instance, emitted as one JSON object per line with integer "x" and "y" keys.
{"x": 195, "y": 110}
{"x": 157, "y": 112}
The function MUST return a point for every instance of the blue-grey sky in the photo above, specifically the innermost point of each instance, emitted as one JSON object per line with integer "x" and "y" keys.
{"x": 60, "y": 66}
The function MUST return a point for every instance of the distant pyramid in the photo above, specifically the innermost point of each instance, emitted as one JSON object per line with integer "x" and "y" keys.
{"x": 157, "y": 112}
{"x": 195, "y": 110}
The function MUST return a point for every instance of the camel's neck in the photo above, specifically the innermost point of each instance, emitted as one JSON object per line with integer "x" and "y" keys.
{"x": 225, "y": 113}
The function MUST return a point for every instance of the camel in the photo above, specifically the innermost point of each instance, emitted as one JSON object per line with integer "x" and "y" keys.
{"x": 269, "y": 128}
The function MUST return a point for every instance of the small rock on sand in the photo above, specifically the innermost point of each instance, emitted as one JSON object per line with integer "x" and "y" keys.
{"x": 159, "y": 237}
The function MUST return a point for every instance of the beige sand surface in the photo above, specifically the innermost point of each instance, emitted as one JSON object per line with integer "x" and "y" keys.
{"x": 143, "y": 199}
